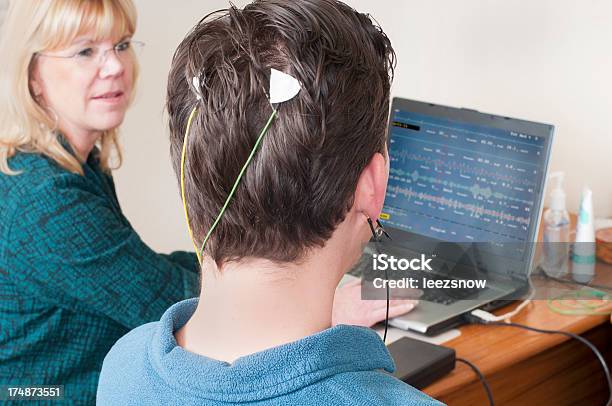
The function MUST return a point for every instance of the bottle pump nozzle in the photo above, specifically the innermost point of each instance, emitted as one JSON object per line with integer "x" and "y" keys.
{"x": 557, "y": 195}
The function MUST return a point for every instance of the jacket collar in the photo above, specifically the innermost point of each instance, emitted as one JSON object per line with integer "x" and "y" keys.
{"x": 266, "y": 374}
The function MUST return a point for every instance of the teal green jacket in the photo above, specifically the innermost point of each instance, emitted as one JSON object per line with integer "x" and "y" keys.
{"x": 74, "y": 276}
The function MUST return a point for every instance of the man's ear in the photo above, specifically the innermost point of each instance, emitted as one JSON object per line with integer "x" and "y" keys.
{"x": 372, "y": 186}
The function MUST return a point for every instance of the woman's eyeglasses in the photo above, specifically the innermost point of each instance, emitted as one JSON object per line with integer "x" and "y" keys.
{"x": 93, "y": 56}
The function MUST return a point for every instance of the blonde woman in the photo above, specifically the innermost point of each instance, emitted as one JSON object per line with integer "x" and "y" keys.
{"x": 74, "y": 275}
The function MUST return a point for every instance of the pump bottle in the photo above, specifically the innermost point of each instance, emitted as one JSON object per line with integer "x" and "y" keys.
{"x": 583, "y": 257}
{"x": 556, "y": 250}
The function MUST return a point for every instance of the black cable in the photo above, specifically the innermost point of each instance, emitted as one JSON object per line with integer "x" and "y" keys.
{"x": 376, "y": 238}
{"x": 378, "y": 251}
{"x": 387, "y": 313}
{"x": 583, "y": 340}
{"x": 482, "y": 378}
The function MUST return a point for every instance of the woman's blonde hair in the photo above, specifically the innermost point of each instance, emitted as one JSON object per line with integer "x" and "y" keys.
{"x": 35, "y": 25}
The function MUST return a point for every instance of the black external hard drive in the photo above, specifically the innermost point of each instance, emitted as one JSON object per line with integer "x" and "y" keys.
{"x": 419, "y": 363}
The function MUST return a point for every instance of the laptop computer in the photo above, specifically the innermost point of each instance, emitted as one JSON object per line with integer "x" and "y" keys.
{"x": 465, "y": 189}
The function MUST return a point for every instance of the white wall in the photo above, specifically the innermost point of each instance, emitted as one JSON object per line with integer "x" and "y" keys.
{"x": 3, "y": 9}
{"x": 540, "y": 60}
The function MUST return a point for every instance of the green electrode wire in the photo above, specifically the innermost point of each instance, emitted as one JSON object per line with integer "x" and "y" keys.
{"x": 246, "y": 164}
{"x": 562, "y": 304}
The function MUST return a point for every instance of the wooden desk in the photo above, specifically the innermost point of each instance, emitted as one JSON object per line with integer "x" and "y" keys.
{"x": 528, "y": 368}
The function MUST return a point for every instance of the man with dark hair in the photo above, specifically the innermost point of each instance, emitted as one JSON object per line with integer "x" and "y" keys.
{"x": 278, "y": 195}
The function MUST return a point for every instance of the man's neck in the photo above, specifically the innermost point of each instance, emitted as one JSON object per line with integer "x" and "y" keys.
{"x": 254, "y": 305}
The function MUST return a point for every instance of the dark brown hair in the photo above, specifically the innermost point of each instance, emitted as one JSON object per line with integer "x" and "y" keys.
{"x": 302, "y": 180}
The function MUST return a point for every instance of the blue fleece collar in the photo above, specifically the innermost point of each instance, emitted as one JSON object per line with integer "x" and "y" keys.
{"x": 266, "y": 374}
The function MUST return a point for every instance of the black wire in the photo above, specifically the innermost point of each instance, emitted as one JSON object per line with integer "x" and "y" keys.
{"x": 387, "y": 313}
{"x": 375, "y": 238}
{"x": 567, "y": 334}
{"x": 482, "y": 378}
{"x": 378, "y": 251}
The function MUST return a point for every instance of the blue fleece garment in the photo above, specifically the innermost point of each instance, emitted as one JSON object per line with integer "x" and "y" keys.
{"x": 343, "y": 365}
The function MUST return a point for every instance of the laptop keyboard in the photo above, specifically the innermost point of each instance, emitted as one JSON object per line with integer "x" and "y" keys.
{"x": 441, "y": 296}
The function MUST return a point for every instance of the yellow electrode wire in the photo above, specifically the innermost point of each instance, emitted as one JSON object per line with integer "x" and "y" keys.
{"x": 200, "y": 251}
{"x": 183, "y": 153}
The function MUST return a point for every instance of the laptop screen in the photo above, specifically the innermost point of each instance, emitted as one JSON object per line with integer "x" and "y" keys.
{"x": 462, "y": 176}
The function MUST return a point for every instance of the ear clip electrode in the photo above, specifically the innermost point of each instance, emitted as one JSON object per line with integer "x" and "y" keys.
{"x": 283, "y": 87}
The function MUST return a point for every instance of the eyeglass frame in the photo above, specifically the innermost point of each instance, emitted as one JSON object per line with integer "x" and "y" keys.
{"x": 132, "y": 43}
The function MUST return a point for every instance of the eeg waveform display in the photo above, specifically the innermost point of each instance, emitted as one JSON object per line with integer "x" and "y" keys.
{"x": 461, "y": 182}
